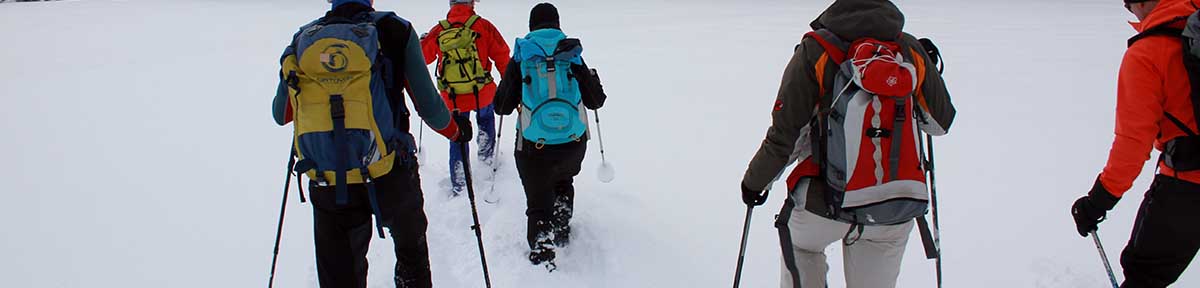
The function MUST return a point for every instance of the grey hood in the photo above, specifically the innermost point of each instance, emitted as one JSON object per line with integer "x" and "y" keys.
{"x": 854, "y": 19}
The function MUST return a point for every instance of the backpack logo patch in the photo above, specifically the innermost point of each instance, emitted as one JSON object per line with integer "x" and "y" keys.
{"x": 334, "y": 59}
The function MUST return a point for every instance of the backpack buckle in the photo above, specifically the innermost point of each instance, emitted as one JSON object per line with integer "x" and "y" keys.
{"x": 336, "y": 109}
{"x": 550, "y": 64}
{"x": 879, "y": 133}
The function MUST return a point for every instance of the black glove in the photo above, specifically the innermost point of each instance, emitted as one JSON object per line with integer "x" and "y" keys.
{"x": 753, "y": 198}
{"x": 464, "y": 128}
{"x": 1090, "y": 210}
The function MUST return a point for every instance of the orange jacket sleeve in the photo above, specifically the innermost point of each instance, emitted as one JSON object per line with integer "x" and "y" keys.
{"x": 499, "y": 50}
{"x": 429, "y": 45}
{"x": 1139, "y": 110}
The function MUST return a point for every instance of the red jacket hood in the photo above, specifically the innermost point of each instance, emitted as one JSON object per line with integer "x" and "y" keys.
{"x": 1168, "y": 12}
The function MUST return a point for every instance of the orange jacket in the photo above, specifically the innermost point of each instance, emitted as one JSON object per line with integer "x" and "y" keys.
{"x": 491, "y": 46}
{"x": 1152, "y": 81}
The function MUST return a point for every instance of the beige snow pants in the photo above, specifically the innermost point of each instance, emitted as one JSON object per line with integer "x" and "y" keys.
{"x": 872, "y": 261}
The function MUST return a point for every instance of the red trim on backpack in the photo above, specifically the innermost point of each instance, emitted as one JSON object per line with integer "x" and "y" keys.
{"x": 834, "y": 52}
{"x": 806, "y": 168}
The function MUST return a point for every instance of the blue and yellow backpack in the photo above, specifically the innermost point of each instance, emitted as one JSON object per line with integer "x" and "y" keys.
{"x": 552, "y": 111}
{"x": 346, "y": 131}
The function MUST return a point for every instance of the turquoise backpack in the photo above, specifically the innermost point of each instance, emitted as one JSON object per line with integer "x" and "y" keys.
{"x": 552, "y": 110}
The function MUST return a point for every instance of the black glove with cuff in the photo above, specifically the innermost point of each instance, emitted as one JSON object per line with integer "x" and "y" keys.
{"x": 753, "y": 198}
{"x": 464, "y": 128}
{"x": 1092, "y": 209}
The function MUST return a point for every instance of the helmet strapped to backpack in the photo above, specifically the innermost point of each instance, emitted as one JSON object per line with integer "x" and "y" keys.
{"x": 865, "y": 140}
{"x": 461, "y": 70}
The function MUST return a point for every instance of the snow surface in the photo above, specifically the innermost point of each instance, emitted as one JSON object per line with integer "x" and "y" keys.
{"x": 139, "y": 148}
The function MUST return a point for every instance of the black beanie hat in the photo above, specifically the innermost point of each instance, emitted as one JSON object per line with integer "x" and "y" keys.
{"x": 543, "y": 16}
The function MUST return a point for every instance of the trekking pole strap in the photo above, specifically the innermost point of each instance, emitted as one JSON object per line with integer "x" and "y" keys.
{"x": 932, "y": 251}
{"x": 373, "y": 196}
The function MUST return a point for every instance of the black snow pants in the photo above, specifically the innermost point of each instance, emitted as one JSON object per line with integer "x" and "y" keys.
{"x": 548, "y": 175}
{"x": 1166, "y": 234}
{"x": 343, "y": 232}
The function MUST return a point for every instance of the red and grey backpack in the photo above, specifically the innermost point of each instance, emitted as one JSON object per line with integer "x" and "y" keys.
{"x": 865, "y": 134}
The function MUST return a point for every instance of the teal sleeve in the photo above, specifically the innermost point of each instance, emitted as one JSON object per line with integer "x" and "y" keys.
{"x": 425, "y": 96}
{"x": 279, "y": 104}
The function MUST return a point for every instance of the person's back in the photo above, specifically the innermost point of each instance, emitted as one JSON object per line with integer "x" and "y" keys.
{"x": 314, "y": 94}
{"x": 1154, "y": 108}
{"x": 465, "y": 77}
{"x": 812, "y": 218}
{"x": 552, "y": 85}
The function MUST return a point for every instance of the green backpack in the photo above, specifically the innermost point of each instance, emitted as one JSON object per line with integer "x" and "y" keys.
{"x": 461, "y": 72}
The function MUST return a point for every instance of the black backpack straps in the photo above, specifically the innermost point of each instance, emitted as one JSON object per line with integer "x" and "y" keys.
{"x": 1191, "y": 62}
{"x": 337, "y": 110}
{"x": 373, "y": 197}
{"x": 935, "y": 54}
{"x": 1179, "y": 123}
{"x": 1164, "y": 30}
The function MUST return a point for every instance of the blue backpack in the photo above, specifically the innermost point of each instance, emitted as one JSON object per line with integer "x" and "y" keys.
{"x": 552, "y": 110}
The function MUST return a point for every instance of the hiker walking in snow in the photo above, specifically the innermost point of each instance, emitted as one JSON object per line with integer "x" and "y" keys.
{"x": 342, "y": 84}
{"x": 1156, "y": 108}
{"x": 552, "y": 86}
{"x": 854, "y": 130}
{"x": 465, "y": 46}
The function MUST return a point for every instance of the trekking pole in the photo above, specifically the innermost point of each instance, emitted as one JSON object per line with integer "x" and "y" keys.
{"x": 737, "y": 276}
{"x": 282, "y": 211}
{"x": 466, "y": 162}
{"x": 475, "y": 213}
{"x": 606, "y": 172}
{"x": 937, "y": 228}
{"x": 1104, "y": 257}
{"x": 600, "y": 137}
{"x": 421, "y": 138}
{"x": 492, "y": 198}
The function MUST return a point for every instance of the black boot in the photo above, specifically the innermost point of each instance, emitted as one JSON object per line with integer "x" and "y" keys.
{"x": 541, "y": 244}
{"x": 561, "y": 224}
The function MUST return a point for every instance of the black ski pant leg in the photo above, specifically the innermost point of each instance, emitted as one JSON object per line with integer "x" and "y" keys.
{"x": 342, "y": 236}
{"x": 402, "y": 204}
{"x": 533, "y": 168}
{"x": 544, "y": 173}
{"x": 1165, "y": 235}
{"x": 564, "y": 193}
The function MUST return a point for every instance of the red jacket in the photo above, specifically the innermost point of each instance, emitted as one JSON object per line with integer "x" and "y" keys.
{"x": 1152, "y": 81}
{"x": 491, "y": 46}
